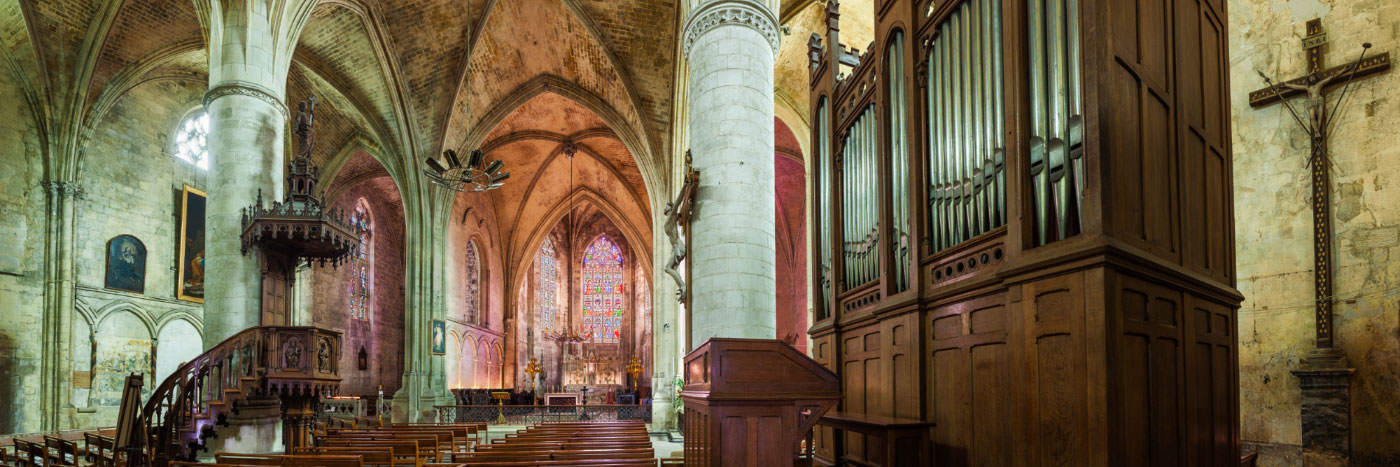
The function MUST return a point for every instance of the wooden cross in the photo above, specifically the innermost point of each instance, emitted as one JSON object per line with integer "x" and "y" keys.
{"x": 1314, "y": 84}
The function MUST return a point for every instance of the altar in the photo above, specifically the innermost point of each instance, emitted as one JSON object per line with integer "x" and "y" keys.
{"x": 563, "y": 398}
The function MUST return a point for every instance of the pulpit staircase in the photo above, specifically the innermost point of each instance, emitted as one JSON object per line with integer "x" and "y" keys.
{"x": 295, "y": 365}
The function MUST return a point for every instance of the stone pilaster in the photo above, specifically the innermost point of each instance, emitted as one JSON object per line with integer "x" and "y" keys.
{"x": 59, "y": 305}
{"x": 730, "y": 45}
{"x": 1326, "y": 408}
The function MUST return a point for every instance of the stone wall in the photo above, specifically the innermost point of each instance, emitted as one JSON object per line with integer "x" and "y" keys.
{"x": 1274, "y": 229}
{"x": 381, "y": 334}
{"x": 131, "y": 186}
{"x": 22, "y": 204}
{"x": 474, "y": 219}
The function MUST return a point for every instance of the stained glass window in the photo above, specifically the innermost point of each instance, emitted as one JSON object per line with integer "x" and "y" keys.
{"x": 472, "y": 294}
{"x": 361, "y": 267}
{"x": 602, "y": 292}
{"x": 192, "y": 140}
{"x": 547, "y": 287}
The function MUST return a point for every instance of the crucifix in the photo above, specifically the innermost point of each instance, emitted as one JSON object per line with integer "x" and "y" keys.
{"x": 1316, "y": 120}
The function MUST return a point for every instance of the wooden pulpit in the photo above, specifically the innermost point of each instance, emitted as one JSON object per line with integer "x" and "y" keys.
{"x": 751, "y": 402}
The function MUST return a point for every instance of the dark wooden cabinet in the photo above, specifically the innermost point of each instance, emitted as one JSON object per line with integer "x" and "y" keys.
{"x": 1044, "y": 267}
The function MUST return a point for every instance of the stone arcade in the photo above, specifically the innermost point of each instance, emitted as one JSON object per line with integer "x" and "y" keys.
{"x": 700, "y": 232}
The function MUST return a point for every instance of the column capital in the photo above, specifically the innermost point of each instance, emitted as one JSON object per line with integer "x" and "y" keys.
{"x": 244, "y": 88}
{"x": 749, "y": 13}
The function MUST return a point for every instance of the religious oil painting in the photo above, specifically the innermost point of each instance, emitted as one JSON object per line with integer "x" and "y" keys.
{"x": 126, "y": 264}
{"x": 439, "y": 337}
{"x": 190, "y": 286}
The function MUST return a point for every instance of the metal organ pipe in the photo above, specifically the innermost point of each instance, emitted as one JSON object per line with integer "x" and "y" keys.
{"x": 1056, "y": 131}
{"x": 899, "y": 163}
{"x": 823, "y": 195}
{"x": 966, "y": 143}
{"x": 860, "y": 201}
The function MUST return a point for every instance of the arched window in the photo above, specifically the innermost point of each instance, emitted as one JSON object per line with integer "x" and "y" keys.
{"x": 476, "y": 313}
{"x": 192, "y": 140}
{"x": 547, "y": 287}
{"x": 362, "y": 265}
{"x": 602, "y": 292}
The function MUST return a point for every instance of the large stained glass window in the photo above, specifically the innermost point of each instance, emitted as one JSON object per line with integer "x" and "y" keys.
{"x": 602, "y": 292}
{"x": 361, "y": 267}
{"x": 472, "y": 294}
{"x": 547, "y": 287}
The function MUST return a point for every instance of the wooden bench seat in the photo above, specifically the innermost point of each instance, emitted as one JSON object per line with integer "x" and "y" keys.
{"x": 288, "y": 460}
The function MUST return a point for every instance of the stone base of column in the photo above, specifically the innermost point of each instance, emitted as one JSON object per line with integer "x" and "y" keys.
{"x": 1326, "y": 408}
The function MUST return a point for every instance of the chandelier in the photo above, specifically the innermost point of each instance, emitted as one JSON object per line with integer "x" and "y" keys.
{"x": 458, "y": 177}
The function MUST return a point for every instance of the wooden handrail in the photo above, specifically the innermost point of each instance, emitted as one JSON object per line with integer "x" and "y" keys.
{"x": 181, "y": 412}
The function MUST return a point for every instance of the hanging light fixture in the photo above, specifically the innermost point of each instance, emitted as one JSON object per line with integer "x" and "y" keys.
{"x": 455, "y": 176}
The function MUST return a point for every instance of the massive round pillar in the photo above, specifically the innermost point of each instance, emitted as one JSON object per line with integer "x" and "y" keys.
{"x": 246, "y": 124}
{"x": 730, "y": 46}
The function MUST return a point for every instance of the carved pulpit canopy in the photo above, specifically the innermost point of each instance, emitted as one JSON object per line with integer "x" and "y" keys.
{"x": 299, "y": 226}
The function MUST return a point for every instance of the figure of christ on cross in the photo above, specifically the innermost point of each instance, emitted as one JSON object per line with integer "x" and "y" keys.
{"x": 1314, "y": 86}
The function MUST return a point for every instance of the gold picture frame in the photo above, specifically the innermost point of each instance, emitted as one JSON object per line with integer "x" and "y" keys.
{"x": 189, "y": 277}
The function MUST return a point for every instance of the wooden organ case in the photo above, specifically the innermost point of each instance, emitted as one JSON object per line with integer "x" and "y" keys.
{"x": 1024, "y": 230}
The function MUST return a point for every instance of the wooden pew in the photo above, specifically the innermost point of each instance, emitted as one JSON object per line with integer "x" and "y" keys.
{"x": 429, "y": 444}
{"x": 288, "y": 460}
{"x": 369, "y": 456}
{"x": 403, "y": 450}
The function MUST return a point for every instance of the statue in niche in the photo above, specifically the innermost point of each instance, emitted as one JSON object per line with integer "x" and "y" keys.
{"x": 364, "y": 359}
{"x": 292, "y": 356}
{"x": 323, "y": 355}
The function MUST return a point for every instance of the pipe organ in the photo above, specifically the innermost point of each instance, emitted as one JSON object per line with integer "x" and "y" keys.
{"x": 966, "y": 152}
{"x": 1009, "y": 239}
{"x": 860, "y": 224}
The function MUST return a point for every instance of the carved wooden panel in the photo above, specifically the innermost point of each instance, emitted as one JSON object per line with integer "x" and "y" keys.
{"x": 860, "y": 383}
{"x": 1203, "y": 131}
{"x": 1149, "y": 365}
{"x": 1141, "y": 207}
{"x": 824, "y": 352}
{"x": 969, "y": 390}
{"x": 1059, "y": 430}
{"x": 1212, "y": 387}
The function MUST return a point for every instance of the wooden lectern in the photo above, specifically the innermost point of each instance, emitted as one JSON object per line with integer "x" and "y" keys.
{"x": 751, "y": 402}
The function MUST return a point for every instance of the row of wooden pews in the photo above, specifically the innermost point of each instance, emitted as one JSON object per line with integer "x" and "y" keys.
{"x": 62, "y": 449}
{"x": 399, "y": 445}
{"x": 592, "y": 444}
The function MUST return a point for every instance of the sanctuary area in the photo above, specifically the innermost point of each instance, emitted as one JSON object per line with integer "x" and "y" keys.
{"x": 1079, "y": 233}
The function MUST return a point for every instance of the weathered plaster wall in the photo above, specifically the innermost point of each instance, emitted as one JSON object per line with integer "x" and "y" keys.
{"x": 1274, "y": 229}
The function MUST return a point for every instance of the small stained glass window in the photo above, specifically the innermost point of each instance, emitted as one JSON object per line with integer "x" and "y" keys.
{"x": 361, "y": 267}
{"x": 192, "y": 140}
{"x": 602, "y": 292}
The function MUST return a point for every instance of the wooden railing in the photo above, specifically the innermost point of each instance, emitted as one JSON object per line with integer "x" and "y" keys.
{"x": 273, "y": 361}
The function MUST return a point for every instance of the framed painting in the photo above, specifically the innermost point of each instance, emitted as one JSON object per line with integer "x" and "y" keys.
{"x": 439, "y": 337}
{"x": 126, "y": 264}
{"x": 190, "y": 270}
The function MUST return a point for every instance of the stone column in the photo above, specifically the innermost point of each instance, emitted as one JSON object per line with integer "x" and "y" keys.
{"x": 730, "y": 45}
{"x": 249, "y": 57}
